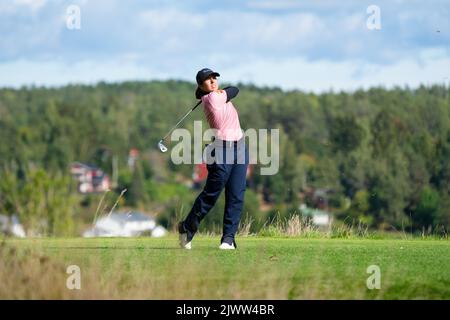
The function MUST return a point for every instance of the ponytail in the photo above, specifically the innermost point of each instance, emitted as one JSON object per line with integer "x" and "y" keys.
{"x": 199, "y": 93}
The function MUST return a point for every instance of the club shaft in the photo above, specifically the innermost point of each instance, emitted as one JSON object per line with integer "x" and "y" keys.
{"x": 182, "y": 119}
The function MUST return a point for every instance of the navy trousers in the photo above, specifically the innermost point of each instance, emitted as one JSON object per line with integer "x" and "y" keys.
{"x": 228, "y": 171}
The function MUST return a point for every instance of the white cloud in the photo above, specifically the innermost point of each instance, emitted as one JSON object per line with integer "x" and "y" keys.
{"x": 160, "y": 20}
{"x": 57, "y": 73}
{"x": 295, "y": 73}
{"x": 282, "y": 4}
{"x": 33, "y": 5}
{"x": 232, "y": 31}
{"x": 326, "y": 44}
{"x": 323, "y": 75}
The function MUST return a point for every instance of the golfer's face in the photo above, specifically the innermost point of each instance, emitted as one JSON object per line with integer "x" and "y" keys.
{"x": 210, "y": 84}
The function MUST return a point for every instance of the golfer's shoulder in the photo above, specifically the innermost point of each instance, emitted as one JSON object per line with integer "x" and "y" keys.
{"x": 215, "y": 97}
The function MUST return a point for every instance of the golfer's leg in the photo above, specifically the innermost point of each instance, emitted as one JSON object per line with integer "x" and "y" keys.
{"x": 234, "y": 201}
{"x": 217, "y": 177}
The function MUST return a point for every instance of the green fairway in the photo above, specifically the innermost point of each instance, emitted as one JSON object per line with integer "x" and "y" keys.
{"x": 261, "y": 268}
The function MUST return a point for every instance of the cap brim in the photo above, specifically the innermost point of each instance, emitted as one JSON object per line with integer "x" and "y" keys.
{"x": 215, "y": 74}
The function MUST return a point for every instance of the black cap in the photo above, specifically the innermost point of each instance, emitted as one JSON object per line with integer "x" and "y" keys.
{"x": 204, "y": 74}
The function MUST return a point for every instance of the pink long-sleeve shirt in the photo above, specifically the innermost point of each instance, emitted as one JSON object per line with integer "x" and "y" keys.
{"x": 222, "y": 115}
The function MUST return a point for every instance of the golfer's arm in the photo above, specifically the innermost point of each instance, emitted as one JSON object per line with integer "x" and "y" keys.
{"x": 231, "y": 92}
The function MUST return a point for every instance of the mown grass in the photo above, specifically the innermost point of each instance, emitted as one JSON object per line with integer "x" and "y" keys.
{"x": 261, "y": 268}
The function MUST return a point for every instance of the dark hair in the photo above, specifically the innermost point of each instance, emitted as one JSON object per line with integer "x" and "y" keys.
{"x": 199, "y": 93}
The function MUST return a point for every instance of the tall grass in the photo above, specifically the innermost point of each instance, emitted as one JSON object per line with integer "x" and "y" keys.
{"x": 298, "y": 226}
{"x": 263, "y": 268}
{"x": 28, "y": 274}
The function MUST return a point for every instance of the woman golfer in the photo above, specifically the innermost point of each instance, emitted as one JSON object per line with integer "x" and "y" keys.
{"x": 229, "y": 166}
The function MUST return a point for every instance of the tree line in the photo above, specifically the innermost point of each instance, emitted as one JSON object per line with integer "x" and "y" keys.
{"x": 381, "y": 156}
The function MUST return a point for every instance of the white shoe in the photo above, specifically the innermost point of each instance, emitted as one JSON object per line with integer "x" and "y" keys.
{"x": 226, "y": 246}
{"x": 183, "y": 241}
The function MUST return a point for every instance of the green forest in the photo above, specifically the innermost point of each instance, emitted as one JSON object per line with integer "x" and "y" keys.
{"x": 380, "y": 156}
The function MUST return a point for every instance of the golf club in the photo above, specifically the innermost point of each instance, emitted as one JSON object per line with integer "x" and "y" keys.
{"x": 161, "y": 145}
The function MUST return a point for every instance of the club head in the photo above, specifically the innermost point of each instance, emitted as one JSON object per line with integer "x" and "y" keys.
{"x": 161, "y": 146}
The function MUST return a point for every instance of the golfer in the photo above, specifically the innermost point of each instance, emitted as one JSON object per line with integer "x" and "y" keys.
{"x": 229, "y": 168}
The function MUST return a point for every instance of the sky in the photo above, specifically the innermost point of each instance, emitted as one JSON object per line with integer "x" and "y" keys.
{"x": 312, "y": 46}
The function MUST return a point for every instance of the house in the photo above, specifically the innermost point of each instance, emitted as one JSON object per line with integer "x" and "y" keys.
{"x": 10, "y": 226}
{"x": 125, "y": 224}
{"x": 91, "y": 179}
{"x": 199, "y": 175}
{"x": 320, "y": 218}
{"x": 133, "y": 155}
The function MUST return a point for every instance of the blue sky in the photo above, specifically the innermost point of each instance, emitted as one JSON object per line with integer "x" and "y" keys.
{"x": 307, "y": 45}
